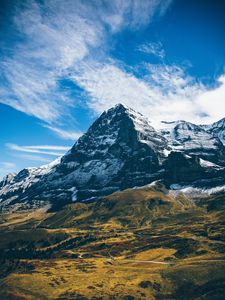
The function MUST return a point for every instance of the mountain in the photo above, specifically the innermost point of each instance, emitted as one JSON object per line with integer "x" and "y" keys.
{"x": 120, "y": 150}
{"x": 156, "y": 230}
{"x": 193, "y": 140}
{"x": 197, "y": 155}
{"x": 217, "y": 129}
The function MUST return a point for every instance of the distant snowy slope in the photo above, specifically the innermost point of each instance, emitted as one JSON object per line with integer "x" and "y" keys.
{"x": 193, "y": 140}
{"x": 217, "y": 129}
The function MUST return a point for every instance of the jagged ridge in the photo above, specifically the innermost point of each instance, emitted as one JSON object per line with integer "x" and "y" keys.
{"x": 121, "y": 149}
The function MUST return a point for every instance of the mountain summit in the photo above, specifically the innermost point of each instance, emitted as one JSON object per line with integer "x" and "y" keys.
{"x": 121, "y": 149}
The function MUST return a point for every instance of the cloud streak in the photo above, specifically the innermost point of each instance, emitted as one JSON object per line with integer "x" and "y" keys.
{"x": 56, "y": 36}
{"x": 6, "y": 167}
{"x": 42, "y": 149}
{"x": 65, "y": 134}
{"x": 53, "y": 43}
{"x": 35, "y": 158}
{"x": 155, "y": 49}
{"x": 164, "y": 93}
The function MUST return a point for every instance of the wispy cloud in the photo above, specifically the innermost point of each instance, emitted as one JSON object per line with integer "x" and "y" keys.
{"x": 210, "y": 102}
{"x": 53, "y": 42}
{"x": 58, "y": 40}
{"x": 42, "y": 149}
{"x": 54, "y": 36}
{"x": 65, "y": 134}
{"x": 155, "y": 49}
{"x": 107, "y": 84}
{"x": 6, "y": 167}
{"x": 164, "y": 93}
{"x": 35, "y": 158}
{"x": 47, "y": 147}
{"x": 132, "y": 13}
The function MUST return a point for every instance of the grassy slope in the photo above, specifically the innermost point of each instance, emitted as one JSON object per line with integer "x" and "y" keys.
{"x": 136, "y": 244}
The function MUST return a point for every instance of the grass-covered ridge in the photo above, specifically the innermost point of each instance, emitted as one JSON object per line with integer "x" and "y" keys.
{"x": 141, "y": 243}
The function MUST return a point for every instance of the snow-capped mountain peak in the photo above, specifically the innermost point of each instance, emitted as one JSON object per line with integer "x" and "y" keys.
{"x": 217, "y": 129}
{"x": 120, "y": 149}
{"x": 191, "y": 138}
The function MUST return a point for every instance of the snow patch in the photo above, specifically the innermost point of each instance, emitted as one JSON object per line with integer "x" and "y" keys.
{"x": 196, "y": 191}
{"x": 74, "y": 194}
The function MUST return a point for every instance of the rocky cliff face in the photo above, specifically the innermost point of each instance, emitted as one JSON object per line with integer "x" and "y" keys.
{"x": 187, "y": 170}
{"x": 192, "y": 139}
{"x": 121, "y": 149}
{"x": 217, "y": 129}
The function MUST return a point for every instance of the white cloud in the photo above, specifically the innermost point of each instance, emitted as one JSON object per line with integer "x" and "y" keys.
{"x": 55, "y": 36}
{"x": 164, "y": 93}
{"x": 53, "y": 43}
{"x": 60, "y": 39}
{"x": 36, "y": 158}
{"x": 65, "y": 134}
{"x": 48, "y": 147}
{"x": 153, "y": 48}
{"x": 42, "y": 149}
{"x": 8, "y": 165}
{"x": 107, "y": 85}
{"x": 133, "y": 13}
{"x": 211, "y": 102}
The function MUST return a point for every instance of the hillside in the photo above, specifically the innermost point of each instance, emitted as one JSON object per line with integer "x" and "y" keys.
{"x": 143, "y": 243}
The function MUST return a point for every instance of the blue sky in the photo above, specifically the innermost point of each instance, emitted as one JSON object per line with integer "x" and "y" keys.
{"x": 63, "y": 62}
